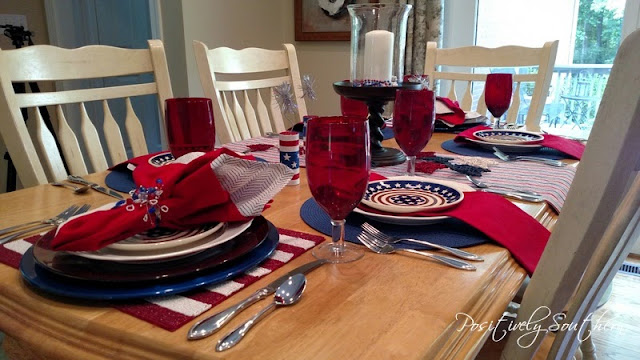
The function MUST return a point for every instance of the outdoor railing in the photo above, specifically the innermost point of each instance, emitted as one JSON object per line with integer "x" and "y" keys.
{"x": 575, "y": 94}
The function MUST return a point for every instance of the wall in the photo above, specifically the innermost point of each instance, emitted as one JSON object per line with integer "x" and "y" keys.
{"x": 326, "y": 61}
{"x": 36, "y": 22}
{"x": 236, "y": 24}
{"x": 268, "y": 24}
{"x": 172, "y": 26}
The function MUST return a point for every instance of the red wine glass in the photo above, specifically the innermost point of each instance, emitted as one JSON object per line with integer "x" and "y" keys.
{"x": 351, "y": 107}
{"x": 338, "y": 161}
{"x": 190, "y": 125}
{"x": 497, "y": 95}
{"x": 413, "y": 121}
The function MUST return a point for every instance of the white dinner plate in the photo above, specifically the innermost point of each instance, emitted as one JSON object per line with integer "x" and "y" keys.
{"x": 106, "y": 254}
{"x": 164, "y": 238}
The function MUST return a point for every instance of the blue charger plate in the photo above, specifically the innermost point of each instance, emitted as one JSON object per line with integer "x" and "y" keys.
{"x": 42, "y": 279}
{"x": 452, "y": 232}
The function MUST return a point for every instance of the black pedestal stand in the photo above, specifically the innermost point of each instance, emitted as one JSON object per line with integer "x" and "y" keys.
{"x": 376, "y": 97}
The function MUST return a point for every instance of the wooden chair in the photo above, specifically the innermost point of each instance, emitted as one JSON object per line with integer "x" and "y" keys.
{"x": 241, "y": 84}
{"x": 36, "y": 157}
{"x": 507, "y": 56}
{"x": 600, "y": 220}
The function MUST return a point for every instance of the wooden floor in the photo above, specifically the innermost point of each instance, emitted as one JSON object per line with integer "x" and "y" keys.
{"x": 616, "y": 324}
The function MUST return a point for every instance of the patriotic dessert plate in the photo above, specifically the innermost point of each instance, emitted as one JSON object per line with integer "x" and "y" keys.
{"x": 162, "y": 238}
{"x": 508, "y": 148}
{"x": 412, "y": 220}
{"x": 405, "y": 194}
{"x": 509, "y": 137}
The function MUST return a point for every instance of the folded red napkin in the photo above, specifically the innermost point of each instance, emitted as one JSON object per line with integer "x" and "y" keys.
{"x": 455, "y": 115}
{"x": 195, "y": 189}
{"x": 570, "y": 147}
{"x": 497, "y": 218}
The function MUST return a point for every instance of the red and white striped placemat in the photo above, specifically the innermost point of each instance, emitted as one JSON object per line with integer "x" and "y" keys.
{"x": 270, "y": 155}
{"x": 551, "y": 182}
{"x": 172, "y": 312}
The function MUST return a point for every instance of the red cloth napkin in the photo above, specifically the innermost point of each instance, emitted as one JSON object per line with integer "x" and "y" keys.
{"x": 195, "y": 189}
{"x": 499, "y": 219}
{"x": 456, "y": 116}
{"x": 570, "y": 147}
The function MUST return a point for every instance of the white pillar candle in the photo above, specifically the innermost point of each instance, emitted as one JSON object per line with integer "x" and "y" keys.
{"x": 378, "y": 55}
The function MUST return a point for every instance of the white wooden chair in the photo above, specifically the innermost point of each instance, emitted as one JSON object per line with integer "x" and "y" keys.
{"x": 600, "y": 220}
{"x": 507, "y": 56}
{"x": 36, "y": 157}
{"x": 241, "y": 83}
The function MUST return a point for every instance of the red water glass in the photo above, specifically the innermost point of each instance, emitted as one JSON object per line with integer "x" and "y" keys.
{"x": 413, "y": 122}
{"x": 497, "y": 95}
{"x": 351, "y": 107}
{"x": 190, "y": 125}
{"x": 338, "y": 162}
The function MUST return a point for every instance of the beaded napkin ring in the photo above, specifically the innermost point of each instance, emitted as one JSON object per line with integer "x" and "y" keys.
{"x": 146, "y": 197}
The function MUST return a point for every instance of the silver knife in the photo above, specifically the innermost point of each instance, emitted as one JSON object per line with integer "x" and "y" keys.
{"x": 79, "y": 180}
{"x": 212, "y": 324}
{"x": 515, "y": 195}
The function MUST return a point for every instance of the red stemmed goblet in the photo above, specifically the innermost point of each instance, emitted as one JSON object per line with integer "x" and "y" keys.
{"x": 338, "y": 162}
{"x": 413, "y": 121}
{"x": 497, "y": 95}
{"x": 352, "y": 107}
{"x": 190, "y": 125}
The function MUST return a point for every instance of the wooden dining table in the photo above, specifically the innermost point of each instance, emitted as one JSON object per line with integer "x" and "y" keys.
{"x": 397, "y": 306}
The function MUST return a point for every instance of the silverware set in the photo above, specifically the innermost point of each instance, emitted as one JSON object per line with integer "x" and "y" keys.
{"x": 17, "y": 231}
{"x": 381, "y": 243}
{"x": 513, "y": 193}
{"x": 504, "y": 157}
{"x": 288, "y": 290}
{"x": 97, "y": 187}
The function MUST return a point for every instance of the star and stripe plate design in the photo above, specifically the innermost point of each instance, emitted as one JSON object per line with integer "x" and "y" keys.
{"x": 406, "y": 194}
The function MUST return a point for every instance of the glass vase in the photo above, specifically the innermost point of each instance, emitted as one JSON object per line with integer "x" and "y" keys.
{"x": 378, "y": 40}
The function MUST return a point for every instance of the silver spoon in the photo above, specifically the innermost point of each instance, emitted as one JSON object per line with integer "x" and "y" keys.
{"x": 288, "y": 293}
{"x": 482, "y": 185}
{"x": 76, "y": 189}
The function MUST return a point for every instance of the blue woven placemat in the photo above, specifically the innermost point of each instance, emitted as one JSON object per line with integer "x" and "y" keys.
{"x": 387, "y": 133}
{"x": 471, "y": 150}
{"x": 120, "y": 181}
{"x": 453, "y": 233}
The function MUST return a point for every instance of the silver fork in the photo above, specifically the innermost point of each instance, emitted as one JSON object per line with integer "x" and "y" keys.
{"x": 504, "y": 157}
{"x": 380, "y": 247}
{"x": 392, "y": 240}
{"x": 65, "y": 215}
{"x": 50, "y": 221}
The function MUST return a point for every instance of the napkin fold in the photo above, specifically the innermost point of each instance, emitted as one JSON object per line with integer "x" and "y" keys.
{"x": 572, "y": 148}
{"x": 496, "y": 217}
{"x": 195, "y": 189}
{"x": 449, "y": 111}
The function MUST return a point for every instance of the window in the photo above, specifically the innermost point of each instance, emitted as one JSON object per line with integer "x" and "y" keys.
{"x": 589, "y": 32}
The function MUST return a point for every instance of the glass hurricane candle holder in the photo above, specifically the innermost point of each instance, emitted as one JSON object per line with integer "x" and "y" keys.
{"x": 378, "y": 39}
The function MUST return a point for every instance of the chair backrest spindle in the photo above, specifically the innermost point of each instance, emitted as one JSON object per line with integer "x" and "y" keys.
{"x": 241, "y": 82}
{"x": 507, "y": 56}
{"x": 49, "y": 63}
